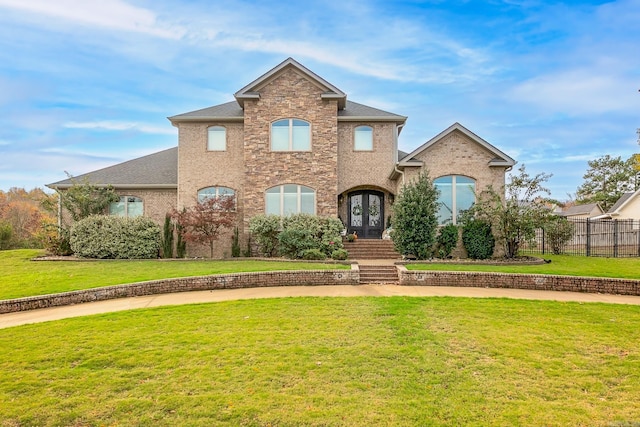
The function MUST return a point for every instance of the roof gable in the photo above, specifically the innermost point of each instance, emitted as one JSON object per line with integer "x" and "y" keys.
{"x": 252, "y": 90}
{"x": 623, "y": 201}
{"x": 500, "y": 159}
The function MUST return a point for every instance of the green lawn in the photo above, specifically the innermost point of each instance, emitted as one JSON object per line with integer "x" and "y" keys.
{"x": 21, "y": 277}
{"x": 567, "y": 265}
{"x": 395, "y": 361}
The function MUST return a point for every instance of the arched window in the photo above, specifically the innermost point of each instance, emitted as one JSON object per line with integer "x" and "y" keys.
{"x": 217, "y": 138}
{"x": 128, "y": 206}
{"x": 290, "y": 135}
{"x": 213, "y": 192}
{"x": 457, "y": 194}
{"x": 290, "y": 199}
{"x": 363, "y": 138}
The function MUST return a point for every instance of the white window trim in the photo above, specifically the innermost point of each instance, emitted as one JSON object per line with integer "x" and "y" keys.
{"x": 355, "y": 130}
{"x": 454, "y": 196}
{"x": 126, "y": 205}
{"x": 298, "y": 201}
{"x": 225, "y": 138}
{"x": 290, "y": 148}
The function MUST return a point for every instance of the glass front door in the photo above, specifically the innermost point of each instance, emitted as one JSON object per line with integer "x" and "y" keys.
{"x": 366, "y": 214}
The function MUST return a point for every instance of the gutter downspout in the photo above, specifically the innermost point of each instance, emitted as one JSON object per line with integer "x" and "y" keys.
{"x": 395, "y": 165}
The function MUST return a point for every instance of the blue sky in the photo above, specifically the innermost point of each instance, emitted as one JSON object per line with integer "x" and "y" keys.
{"x": 85, "y": 84}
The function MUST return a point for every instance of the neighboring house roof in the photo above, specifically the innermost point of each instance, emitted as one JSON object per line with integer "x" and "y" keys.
{"x": 581, "y": 210}
{"x": 157, "y": 170}
{"x": 500, "y": 159}
{"x": 623, "y": 200}
{"x": 251, "y": 91}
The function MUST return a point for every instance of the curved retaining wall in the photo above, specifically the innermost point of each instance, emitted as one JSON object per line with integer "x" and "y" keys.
{"x": 539, "y": 282}
{"x": 186, "y": 284}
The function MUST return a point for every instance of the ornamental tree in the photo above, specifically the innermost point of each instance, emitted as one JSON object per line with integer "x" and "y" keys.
{"x": 204, "y": 222}
{"x": 515, "y": 217}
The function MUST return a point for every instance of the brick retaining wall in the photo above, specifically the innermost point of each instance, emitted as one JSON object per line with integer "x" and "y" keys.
{"x": 539, "y": 282}
{"x": 186, "y": 284}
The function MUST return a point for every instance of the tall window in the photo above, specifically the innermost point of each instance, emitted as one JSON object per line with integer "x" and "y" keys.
{"x": 290, "y": 199}
{"x": 217, "y": 138}
{"x": 290, "y": 135}
{"x": 457, "y": 194}
{"x": 363, "y": 138}
{"x": 213, "y": 192}
{"x": 128, "y": 206}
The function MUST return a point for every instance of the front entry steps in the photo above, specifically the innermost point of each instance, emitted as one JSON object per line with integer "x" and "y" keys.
{"x": 378, "y": 274}
{"x": 371, "y": 249}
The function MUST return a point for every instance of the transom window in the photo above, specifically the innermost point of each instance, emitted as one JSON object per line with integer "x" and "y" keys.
{"x": 290, "y": 135}
{"x": 127, "y": 206}
{"x": 363, "y": 138}
{"x": 457, "y": 194}
{"x": 290, "y": 199}
{"x": 217, "y": 138}
{"x": 214, "y": 192}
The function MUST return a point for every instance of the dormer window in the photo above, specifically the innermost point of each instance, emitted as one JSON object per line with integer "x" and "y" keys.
{"x": 290, "y": 135}
{"x": 217, "y": 138}
{"x": 363, "y": 138}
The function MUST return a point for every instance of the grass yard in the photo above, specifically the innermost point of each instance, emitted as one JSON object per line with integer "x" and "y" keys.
{"x": 567, "y": 265}
{"x": 392, "y": 361}
{"x": 21, "y": 277}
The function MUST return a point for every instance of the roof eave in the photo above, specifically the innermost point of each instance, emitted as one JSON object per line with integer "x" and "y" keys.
{"x": 190, "y": 119}
{"x": 395, "y": 119}
{"x": 117, "y": 186}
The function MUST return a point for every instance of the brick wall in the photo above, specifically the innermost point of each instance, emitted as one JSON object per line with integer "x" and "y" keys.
{"x": 202, "y": 283}
{"x": 457, "y": 154}
{"x": 539, "y": 282}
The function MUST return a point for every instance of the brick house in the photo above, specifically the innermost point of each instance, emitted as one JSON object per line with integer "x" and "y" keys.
{"x": 292, "y": 142}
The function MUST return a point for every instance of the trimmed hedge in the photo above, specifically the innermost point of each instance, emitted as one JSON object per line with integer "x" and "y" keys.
{"x": 478, "y": 239}
{"x": 112, "y": 237}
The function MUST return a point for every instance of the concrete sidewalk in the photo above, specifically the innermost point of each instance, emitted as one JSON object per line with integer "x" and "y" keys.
{"x": 56, "y": 313}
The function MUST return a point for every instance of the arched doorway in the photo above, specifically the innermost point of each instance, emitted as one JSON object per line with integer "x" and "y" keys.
{"x": 366, "y": 213}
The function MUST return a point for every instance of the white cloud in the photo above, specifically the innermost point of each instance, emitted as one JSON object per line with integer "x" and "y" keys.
{"x": 578, "y": 92}
{"x": 111, "y": 14}
{"x": 121, "y": 126}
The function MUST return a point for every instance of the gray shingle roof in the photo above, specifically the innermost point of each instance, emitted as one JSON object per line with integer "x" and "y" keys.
{"x": 226, "y": 111}
{"x": 157, "y": 170}
{"x": 353, "y": 111}
{"x": 579, "y": 209}
{"x": 356, "y": 111}
{"x": 620, "y": 202}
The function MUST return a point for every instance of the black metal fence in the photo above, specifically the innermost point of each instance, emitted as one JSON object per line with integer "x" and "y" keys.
{"x": 602, "y": 237}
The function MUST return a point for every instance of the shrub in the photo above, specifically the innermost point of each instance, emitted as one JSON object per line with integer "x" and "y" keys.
{"x": 114, "y": 237}
{"x": 181, "y": 244}
{"x": 558, "y": 231}
{"x": 414, "y": 218}
{"x": 294, "y": 242}
{"x": 56, "y": 240}
{"x": 304, "y": 231}
{"x": 339, "y": 254}
{"x": 265, "y": 229}
{"x": 235, "y": 243}
{"x": 478, "y": 239}
{"x": 316, "y": 254}
{"x": 447, "y": 240}
{"x": 167, "y": 237}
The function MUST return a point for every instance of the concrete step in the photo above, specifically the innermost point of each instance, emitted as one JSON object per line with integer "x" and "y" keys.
{"x": 378, "y": 274}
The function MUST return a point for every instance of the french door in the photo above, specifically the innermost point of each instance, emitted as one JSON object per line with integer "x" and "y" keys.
{"x": 366, "y": 214}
